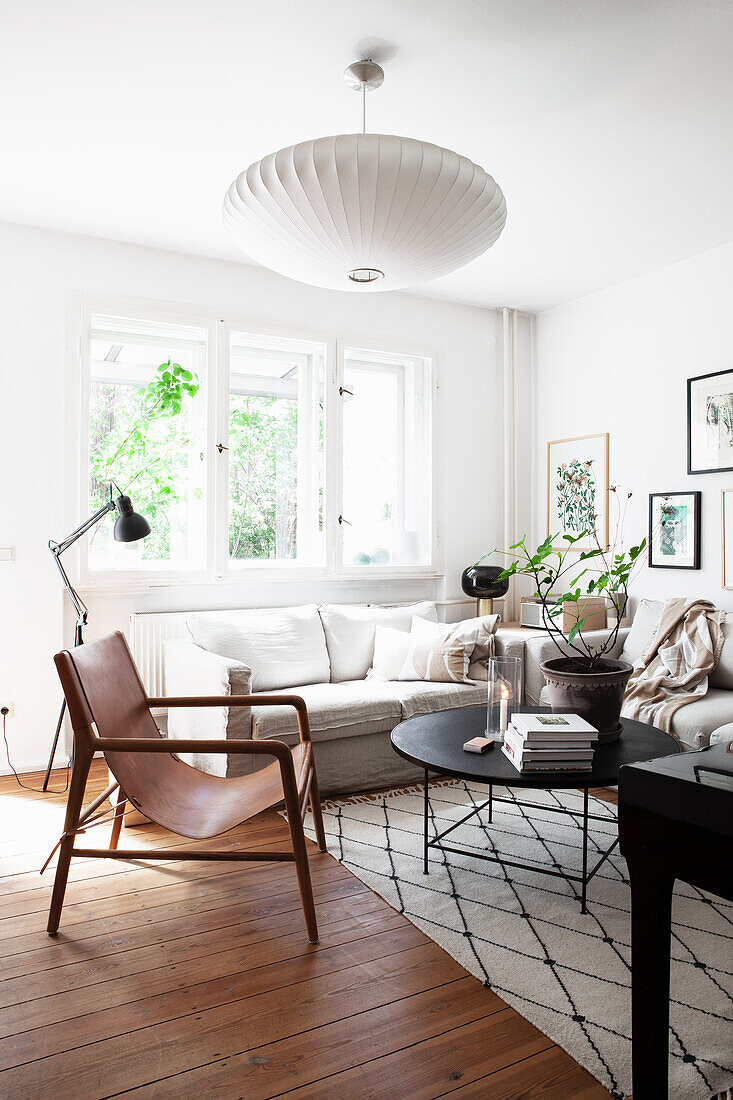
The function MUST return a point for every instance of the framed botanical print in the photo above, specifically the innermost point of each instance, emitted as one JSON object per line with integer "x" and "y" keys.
{"x": 710, "y": 423}
{"x": 726, "y": 537}
{"x": 674, "y": 530}
{"x": 577, "y": 489}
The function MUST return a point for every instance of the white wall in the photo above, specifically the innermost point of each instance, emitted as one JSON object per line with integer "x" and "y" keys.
{"x": 40, "y": 272}
{"x": 618, "y": 362}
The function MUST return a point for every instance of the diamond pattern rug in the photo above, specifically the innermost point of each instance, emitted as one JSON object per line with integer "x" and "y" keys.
{"x": 524, "y": 936}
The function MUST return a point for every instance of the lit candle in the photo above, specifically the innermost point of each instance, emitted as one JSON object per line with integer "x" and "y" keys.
{"x": 503, "y": 708}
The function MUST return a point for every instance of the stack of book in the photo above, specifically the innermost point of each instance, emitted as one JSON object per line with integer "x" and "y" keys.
{"x": 550, "y": 743}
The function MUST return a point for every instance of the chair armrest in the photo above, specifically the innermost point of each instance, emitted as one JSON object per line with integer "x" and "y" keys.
{"x": 294, "y": 701}
{"x": 152, "y": 744}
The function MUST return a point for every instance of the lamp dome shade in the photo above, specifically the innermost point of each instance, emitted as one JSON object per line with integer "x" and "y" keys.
{"x": 129, "y": 525}
{"x": 364, "y": 212}
{"x": 482, "y": 582}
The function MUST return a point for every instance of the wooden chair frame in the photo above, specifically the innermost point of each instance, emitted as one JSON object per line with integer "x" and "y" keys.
{"x": 297, "y": 791}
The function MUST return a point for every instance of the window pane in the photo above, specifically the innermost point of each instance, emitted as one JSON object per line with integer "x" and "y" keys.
{"x": 386, "y": 459}
{"x": 146, "y": 434}
{"x": 275, "y": 450}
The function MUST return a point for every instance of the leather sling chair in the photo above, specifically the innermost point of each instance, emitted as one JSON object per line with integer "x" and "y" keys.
{"x": 110, "y": 712}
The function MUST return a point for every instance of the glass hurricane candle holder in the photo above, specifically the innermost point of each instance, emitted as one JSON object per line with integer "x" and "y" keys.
{"x": 505, "y": 694}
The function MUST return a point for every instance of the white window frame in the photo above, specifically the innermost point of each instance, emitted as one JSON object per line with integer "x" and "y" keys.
{"x": 217, "y": 567}
{"x": 225, "y": 567}
{"x": 392, "y": 350}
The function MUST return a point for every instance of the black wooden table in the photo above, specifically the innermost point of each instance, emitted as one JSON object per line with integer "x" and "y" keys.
{"x": 435, "y": 743}
{"x": 672, "y": 824}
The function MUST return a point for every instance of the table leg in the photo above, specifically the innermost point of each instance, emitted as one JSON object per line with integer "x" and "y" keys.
{"x": 426, "y": 813}
{"x": 651, "y": 917}
{"x": 491, "y": 803}
{"x": 584, "y": 886}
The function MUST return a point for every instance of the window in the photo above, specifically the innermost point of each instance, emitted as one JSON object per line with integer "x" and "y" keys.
{"x": 275, "y": 426}
{"x": 249, "y": 452}
{"x": 386, "y": 460}
{"x": 146, "y": 434}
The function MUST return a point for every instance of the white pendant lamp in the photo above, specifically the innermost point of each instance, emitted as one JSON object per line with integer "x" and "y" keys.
{"x": 364, "y": 211}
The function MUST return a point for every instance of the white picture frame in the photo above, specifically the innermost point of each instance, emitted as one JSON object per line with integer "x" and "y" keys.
{"x": 577, "y": 489}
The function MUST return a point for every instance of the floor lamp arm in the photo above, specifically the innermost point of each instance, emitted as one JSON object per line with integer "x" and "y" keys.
{"x": 57, "y": 549}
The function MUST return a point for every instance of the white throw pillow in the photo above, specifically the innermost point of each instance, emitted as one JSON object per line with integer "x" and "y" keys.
{"x": 431, "y": 651}
{"x": 481, "y": 628}
{"x": 645, "y": 621}
{"x": 391, "y": 649}
{"x": 349, "y": 631}
{"x": 284, "y": 646}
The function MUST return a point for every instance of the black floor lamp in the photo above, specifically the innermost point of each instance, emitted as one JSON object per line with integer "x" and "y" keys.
{"x": 129, "y": 527}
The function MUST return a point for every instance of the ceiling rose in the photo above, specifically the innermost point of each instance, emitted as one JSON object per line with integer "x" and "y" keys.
{"x": 364, "y": 212}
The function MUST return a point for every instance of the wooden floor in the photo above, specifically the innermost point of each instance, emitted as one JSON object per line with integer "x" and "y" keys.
{"x": 190, "y": 979}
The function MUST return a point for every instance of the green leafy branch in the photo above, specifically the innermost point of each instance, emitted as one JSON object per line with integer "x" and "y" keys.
{"x": 595, "y": 573}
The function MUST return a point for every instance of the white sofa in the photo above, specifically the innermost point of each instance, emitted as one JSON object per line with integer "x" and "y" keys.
{"x": 321, "y": 653}
{"x": 697, "y": 724}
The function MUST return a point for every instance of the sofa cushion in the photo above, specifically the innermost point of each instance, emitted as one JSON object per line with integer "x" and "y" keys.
{"x": 723, "y": 735}
{"x": 282, "y": 645}
{"x": 481, "y": 629}
{"x": 425, "y": 697}
{"x": 722, "y": 676}
{"x": 694, "y": 722}
{"x": 356, "y": 707}
{"x": 347, "y": 709}
{"x": 644, "y": 624}
{"x": 349, "y": 631}
{"x": 431, "y": 651}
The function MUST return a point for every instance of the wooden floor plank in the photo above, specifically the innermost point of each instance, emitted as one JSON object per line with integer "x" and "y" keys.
{"x": 552, "y": 1075}
{"x": 431, "y": 1067}
{"x": 180, "y": 979}
{"x": 277, "y": 1067}
{"x": 167, "y": 993}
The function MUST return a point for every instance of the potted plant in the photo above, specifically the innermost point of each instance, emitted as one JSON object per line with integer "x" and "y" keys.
{"x": 582, "y": 679}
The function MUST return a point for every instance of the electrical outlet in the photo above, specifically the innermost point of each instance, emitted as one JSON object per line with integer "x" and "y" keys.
{"x": 11, "y": 710}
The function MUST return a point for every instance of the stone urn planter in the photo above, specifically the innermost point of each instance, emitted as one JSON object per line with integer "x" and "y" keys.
{"x": 596, "y": 696}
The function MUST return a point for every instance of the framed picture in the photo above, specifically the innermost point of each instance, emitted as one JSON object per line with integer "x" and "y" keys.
{"x": 577, "y": 489}
{"x": 674, "y": 530}
{"x": 726, "y": 536}
{"x": 710, "y": 423}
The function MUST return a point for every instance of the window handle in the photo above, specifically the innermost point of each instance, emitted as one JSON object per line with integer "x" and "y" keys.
{"x": 346, "y": 521}
{"x": 220, "y": 447}
{"x": 342, "y": 391}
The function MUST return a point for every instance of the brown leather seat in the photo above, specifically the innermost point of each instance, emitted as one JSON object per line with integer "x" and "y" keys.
{"x": 110, "y": 711}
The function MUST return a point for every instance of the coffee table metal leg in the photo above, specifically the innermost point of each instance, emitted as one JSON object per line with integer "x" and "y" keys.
{"x": 426, "y": 811}
{"x": 491, "y": 803}
{"x": 584, "y": 886}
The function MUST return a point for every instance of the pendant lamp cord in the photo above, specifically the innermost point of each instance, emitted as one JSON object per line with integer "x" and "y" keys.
{"x": 363, "y": 106}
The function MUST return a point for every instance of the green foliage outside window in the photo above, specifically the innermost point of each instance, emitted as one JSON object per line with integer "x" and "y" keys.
{"x": 263, "y": 466}
{"x": 139, "y": 437}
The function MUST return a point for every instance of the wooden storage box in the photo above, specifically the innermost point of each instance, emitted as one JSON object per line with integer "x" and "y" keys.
{"x": 594, "y": 607}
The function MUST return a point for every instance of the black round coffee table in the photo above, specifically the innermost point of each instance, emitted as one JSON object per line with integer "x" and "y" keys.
{"x": 435, "y": 743}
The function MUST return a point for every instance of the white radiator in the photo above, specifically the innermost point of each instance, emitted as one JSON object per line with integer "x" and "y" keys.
{"x": 148, "y": 631}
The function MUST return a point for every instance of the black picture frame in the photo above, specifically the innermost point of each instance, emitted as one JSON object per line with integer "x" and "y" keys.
{"x": 690, "y": 383}
{"x": 697, "y": 527}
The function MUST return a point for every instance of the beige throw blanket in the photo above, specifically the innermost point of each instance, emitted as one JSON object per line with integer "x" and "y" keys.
{"x": 682, "y": 652}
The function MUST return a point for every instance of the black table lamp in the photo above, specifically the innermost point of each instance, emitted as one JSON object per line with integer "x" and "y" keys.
{"x": 483, "y": 583}
{"x": 129, "y": 527}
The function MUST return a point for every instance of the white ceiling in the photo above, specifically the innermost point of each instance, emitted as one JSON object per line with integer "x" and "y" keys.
{"x": 606, "y": 122}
